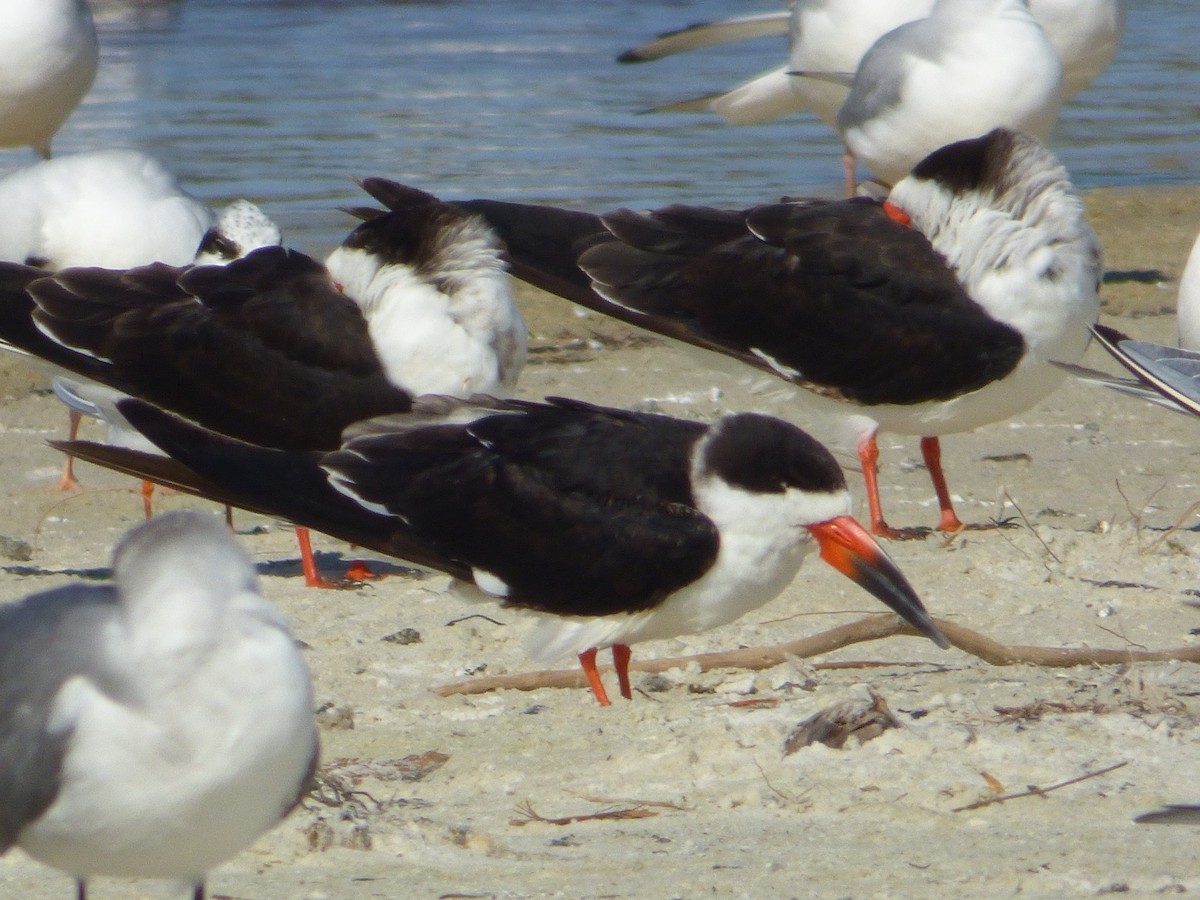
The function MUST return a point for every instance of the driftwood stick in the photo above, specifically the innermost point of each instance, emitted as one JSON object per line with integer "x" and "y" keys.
{"x": 872, "y": 628}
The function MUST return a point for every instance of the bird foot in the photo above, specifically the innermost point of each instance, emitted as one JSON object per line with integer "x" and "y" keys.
{"x": 916, "y": 533}
{"x": 359, "y": 571}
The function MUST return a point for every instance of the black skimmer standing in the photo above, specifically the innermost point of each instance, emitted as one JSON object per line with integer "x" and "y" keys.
{"x": 48, "y": 60}
{"x": 616, "y": 526}
{"x": 154, "y": 727}
{"x": 936, "y": 312}
{"x": 275, "y": 347}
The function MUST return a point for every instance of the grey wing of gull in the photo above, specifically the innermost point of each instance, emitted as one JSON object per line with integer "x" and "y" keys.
{"x": 878, "y": 82}
{"x": 44, "y": 640}
{"x": 1133, "y": 387}
{"x": 1176, "y": 371}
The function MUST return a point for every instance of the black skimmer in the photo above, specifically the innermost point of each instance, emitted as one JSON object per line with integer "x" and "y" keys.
{"x": 154, "y": 727}
{"x": 48, "y": 60}
{"x": 275, "y": 347}
{"x": 829, "y": 37}
{"x": 616, "y": 526}
{"x": 933, "y": 327}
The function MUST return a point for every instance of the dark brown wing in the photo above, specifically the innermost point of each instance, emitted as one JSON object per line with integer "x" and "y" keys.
{"x": 831, "y": 295}
{"x": 523, "y": 496}
{"x": 834, "y": 296}
{"x": 579, "y": 510}
{"x": 265, "y": 349}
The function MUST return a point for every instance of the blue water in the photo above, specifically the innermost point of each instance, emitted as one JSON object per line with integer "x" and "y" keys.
{"x": 285, "y": 101}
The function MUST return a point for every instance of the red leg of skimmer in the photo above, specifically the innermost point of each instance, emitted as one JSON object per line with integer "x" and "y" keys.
{"x": 359, "y": 571}
{"x": 931, "y": 450}
{"x": 147, "y": 497}
{"x": 587, "y": 659}
{"x": 312, "y": 578}
{"x": 868, "y": 455}
{"x": 621, "y": 656}
{"x": 66, "y": 481}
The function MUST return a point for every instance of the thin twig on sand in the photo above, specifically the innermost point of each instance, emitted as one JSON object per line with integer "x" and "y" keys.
{"x": 1035, "y": 791}
{"x": 872, "y": 628}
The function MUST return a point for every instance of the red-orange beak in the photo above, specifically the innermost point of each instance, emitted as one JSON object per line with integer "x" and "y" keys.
{"x": 850, "y": 549}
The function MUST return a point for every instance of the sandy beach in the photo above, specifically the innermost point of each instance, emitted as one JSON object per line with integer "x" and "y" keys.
{"x": 687, "y": 791}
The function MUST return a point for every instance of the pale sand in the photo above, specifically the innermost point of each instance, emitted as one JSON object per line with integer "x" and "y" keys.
{"x": 1099, "y": 478}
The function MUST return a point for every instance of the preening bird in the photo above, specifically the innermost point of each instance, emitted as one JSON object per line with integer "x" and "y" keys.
{"x": 155, "y": 726}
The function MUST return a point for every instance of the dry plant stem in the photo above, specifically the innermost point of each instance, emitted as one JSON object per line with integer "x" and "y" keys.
{"x": 1187, "y": 514}
{"x": 531, "y": 815}
{"x": 1035, "y": 791}
{"x": 872, "y": 628}
{"x": 1032, "y": 530}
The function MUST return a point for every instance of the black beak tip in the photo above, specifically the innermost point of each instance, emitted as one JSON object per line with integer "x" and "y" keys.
{"x": 934, "y": 633}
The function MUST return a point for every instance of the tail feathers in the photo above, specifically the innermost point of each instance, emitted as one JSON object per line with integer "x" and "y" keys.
{"x": 286, "y": 484}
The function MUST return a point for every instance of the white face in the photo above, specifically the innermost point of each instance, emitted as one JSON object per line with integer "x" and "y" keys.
{"x": 353, "y": 270}
{"x": 242, "y": 227}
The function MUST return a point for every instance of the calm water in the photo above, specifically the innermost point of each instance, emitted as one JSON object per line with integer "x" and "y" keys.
{"x": 284, "y": 101}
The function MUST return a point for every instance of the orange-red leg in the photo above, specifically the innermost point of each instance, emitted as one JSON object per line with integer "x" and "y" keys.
{"x": 621, "y": 656}
{"x": 312, "y": 578}
{"x": 66, "y": 481}
{"x": 868, "y": 456}
{"x": 147, "y": 497}
{"x": 931, "y": 450}
{"x": 587, "y": 659}
{"x": 359, "y": 571}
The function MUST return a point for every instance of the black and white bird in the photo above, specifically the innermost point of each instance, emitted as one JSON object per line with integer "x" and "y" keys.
{"x": 275, "y": 347}
{"x": 936, "y": 312}
{"x": 154, "y": 727}
{"x": 614, "y": 526}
